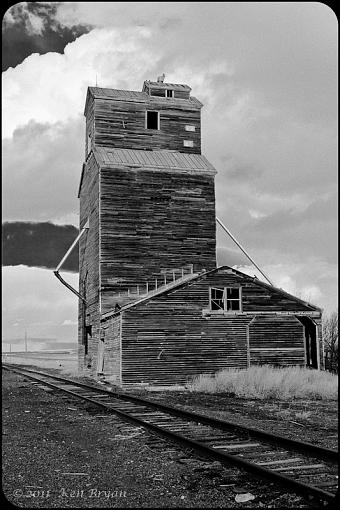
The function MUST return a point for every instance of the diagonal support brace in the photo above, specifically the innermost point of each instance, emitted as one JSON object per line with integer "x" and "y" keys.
{"x": 56, "y": 271}
{"x": 244, "y": 251}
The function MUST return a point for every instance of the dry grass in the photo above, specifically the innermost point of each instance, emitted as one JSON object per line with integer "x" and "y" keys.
{"x": 268, "y": 382}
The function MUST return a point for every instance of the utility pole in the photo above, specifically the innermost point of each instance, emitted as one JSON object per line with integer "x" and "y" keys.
{"x": 25, "y": 340}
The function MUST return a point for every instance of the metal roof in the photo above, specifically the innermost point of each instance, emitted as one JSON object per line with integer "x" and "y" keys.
{"x": 161, "y": 85}
{"x": 160, "y": 160}
{"x": 138, "y": 97}
{"x": 157, "y": 160}
{"x": 122, "y": 95}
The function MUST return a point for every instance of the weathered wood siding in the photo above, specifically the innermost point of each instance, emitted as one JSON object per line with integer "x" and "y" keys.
{"x": 255, "y": 297}
{"x": 111, "y": 333}
{"x": 277, "y": 340}
{"x": 170, "y": 338}
{"x": 89, "y": 264}
{"x": 121, "y": 124}
{"x": 168, "y": 342}
{"x": 152, "y": 221}
{"x": 89, "y": 129}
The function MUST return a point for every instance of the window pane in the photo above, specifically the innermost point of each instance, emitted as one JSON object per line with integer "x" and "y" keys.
{"x": 233, "y": 293}
{"x": 217, "y": 304}
{"x": 235, "y": 305}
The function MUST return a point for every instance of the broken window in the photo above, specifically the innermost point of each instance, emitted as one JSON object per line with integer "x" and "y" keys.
{"x": 225, "y": 298}
{"x": 216, "y": 298}
{"x": 152, "y": 120}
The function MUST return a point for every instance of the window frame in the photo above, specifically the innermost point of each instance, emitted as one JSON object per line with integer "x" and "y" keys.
{"x": 226, "y": 300}
{"x": 158, "y": 120}
{"x": 171, "y": 91}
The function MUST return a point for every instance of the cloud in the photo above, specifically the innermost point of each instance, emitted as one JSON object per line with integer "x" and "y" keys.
{"x": 41, "y": 171}
{"x": 39, "y": 245}
{"x": 31, "y": 27}
{"x": 70, "y": 322}
{"x": 51, "y": 88}
{"x": 314, "y": 282}
{"x": 43, "y": 304}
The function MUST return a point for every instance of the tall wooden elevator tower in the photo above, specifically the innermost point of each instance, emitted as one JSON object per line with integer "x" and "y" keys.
{"x": 148, "y": 195}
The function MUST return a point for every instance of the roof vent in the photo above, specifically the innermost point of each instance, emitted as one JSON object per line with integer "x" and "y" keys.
{"x": 160, "y": 79}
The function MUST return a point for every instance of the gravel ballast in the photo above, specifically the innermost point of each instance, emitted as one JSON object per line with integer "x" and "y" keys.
{"x": 59, "y": 452}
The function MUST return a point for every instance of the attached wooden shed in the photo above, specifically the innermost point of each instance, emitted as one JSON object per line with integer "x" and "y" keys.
{"x": 214, "y": 320}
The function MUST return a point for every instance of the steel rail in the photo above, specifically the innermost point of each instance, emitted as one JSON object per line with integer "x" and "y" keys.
{"x": 299, "y": 446}
{"x": 224, "y": 458}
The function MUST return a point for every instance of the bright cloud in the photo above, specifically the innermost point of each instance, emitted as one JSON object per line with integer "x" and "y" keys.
{"x": 45, "y": 307}
{"x": 52, "y": 87}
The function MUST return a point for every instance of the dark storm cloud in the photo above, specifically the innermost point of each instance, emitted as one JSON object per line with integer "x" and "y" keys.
{"x": 32, "y": 28}
{"x": 38, "y": 245}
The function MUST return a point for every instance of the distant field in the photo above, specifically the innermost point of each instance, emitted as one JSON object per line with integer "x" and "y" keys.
{"x": 267, "y": 382}
{"x": 65, "y": 361}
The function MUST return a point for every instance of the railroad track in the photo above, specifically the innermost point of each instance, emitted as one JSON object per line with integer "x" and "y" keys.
{"x": 306, "y": 469}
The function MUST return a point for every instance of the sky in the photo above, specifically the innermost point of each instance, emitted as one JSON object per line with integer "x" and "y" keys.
{"x": 266, "y": 73}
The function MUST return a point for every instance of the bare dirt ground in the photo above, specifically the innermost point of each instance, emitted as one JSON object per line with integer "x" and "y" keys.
{"x": 59, "y": 452}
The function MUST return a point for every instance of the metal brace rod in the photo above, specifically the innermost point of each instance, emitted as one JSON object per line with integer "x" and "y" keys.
{"x": 56, "y": 271}
{"x": 241, "y": 247}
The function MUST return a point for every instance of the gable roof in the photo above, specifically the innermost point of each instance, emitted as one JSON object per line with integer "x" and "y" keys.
{"x": 198, "y": 276}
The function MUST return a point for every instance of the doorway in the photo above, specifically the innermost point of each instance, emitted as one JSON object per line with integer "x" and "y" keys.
{"x": 311, "y": 348}
{"x": 100, "y": 358}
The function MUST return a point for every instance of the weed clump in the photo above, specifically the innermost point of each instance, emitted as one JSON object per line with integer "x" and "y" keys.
{"x": 269, "y": 382}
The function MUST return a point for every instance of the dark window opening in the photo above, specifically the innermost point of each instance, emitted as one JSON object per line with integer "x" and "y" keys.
{"x": 169, "y": 93}
{"x": 152, "y": 120}
{"x": 225, "y": 298}
{"x": 233, "y": 300}
{"x": 88, "y": 332}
